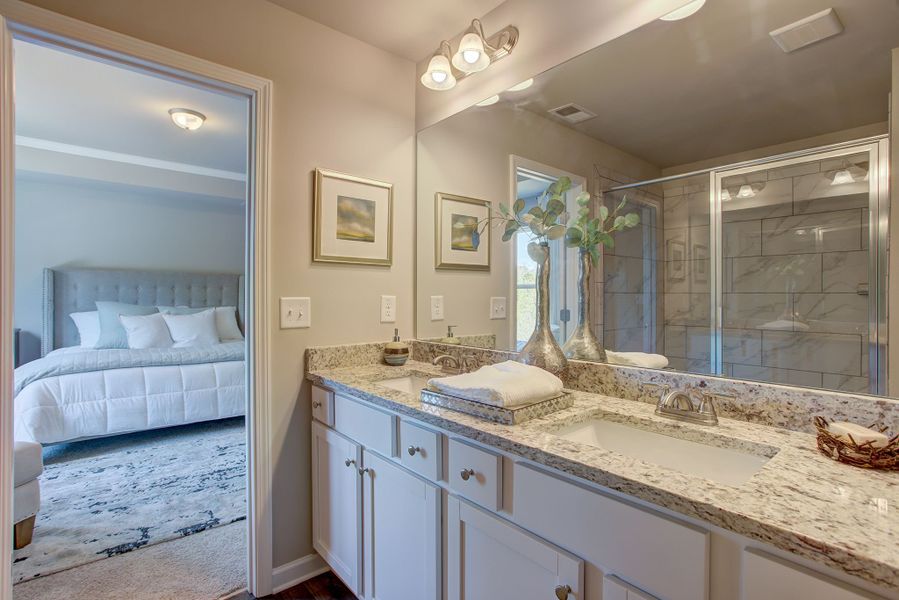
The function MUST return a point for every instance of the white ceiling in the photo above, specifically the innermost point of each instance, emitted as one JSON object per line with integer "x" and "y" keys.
{"x": 68, "y": 99}
{"x": 716, "y": 83}
{"x": 411, "y": 29}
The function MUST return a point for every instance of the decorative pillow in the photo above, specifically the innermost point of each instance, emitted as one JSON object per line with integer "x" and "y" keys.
{"x": 112, "y": 334}
{"x": 146, "y": 331}
{"x": 197, "y": 329}
{"x": 88, "y": 325}
{"x": 225, "y": 320}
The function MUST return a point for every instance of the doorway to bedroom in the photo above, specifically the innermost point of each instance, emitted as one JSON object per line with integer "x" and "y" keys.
{"x": 130, "y": 282}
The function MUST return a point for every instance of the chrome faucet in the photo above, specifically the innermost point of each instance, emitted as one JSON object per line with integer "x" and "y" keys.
{"x": 678, "y": 405}
{"x": 451, "y": 364}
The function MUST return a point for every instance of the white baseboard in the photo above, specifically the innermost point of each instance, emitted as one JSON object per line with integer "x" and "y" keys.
{"x": 298, "y": 571}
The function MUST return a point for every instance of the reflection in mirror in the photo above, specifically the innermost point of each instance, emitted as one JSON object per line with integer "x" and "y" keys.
{"x": 759, "y": 177}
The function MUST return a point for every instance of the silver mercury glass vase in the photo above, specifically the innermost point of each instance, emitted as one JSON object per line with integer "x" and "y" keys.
{"x": 542, "y": 350}
{"x": 583, "y": 345}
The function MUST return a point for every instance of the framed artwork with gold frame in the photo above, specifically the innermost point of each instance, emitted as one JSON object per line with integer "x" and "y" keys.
{"x": 353, "y": 219}
{"x": 458, "y": 244}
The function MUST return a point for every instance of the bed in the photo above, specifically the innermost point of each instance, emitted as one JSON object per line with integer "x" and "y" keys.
{"x": 75, "y": 393}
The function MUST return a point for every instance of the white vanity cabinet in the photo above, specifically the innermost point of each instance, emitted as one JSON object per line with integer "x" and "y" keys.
{"x": 337, "y": 504}
{"x": 767, "y": 577}
{"x": 401, "y": 531}
{"x": 488, "y": 557}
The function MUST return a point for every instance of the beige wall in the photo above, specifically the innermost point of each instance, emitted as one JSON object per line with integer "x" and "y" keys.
{"x": 835, "y": 137}
{"x": 340, "y": 104}
{"x": 551, "y": 33}
{"x": 469, "y": 155}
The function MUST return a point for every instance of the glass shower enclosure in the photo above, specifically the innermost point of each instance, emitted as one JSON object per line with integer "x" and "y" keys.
{"x": 771, "y": 270}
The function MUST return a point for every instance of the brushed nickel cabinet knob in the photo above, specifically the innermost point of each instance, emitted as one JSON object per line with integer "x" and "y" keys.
{"x": 412, "y": 450}
{"x": 349, "y": 462}
{"x": 466, "y": 474}
{"x": 562, "y": 591}
{"x": 316, "y": 404}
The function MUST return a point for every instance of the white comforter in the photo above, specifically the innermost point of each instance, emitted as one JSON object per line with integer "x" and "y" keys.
{"x": 121, "y": 400}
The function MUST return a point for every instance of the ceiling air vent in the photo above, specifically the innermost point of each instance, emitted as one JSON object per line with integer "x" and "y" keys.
{"x": 809, "y": 30}
{"x": 572, "y": 113}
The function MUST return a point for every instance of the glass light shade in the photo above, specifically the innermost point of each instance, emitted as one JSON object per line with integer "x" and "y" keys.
{"x": 842, "y": 177}
{"x": 684, "y": 11}
{"x": 746, "y": 191}
{"x": 187, "y": 119}
{"x": 725, "y": 195}
{"x": 439, "y": 75}
{"x": 522, "y": 86}
{"x": 488, "y": 101}
{"x": 471, "y": 56}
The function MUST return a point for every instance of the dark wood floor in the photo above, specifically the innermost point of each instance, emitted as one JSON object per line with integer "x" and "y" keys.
{"x": 323, "y": 587}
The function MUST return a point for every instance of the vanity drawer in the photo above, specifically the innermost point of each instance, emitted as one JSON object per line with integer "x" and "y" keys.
{"x": 323, "y": 405}
{"x": 373, "y": 428}
{"x": 420, "y": 450}
{"x": 664, "y": 557}
{"x": 475, "y": 474}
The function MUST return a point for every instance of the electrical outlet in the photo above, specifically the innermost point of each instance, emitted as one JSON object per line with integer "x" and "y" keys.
{"x": 388, "y": 309}
{"x": 498, "y": 307}
{"x": 296, "y": 312}
{"x": 436, "y": 308}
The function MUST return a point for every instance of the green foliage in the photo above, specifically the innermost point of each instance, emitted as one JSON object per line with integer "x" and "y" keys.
{"x": 589, "y": 234}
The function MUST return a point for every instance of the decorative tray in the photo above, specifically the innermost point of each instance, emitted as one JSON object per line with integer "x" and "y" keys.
{"x": 498, "y": 414}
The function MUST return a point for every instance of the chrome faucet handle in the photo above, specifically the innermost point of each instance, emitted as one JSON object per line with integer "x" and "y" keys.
{"x": 469, "y": 363}
{"x": 707, "y": 407}
{"x": 677, "y": 399}
{"x": 447, "y": 363}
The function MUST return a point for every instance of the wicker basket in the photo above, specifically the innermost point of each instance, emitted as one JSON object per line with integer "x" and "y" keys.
{"x": 860, "y": 455}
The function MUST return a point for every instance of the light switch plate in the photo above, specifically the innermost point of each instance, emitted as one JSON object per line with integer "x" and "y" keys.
{"x": 296, "y": 312}
{"x": 388, "y": 309}
{"x": 436, "y": 308}
{"x": 498, "y": 307}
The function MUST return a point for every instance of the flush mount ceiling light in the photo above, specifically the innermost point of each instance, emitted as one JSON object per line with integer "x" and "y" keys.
{"x": 476, "y": 52}
{"x": 488, "y": 101}
{"x": 684, "y": 11}
{"x": 187, "y": 119}
{"x": 439, "y": 75}
{"x": 522, "y": 86}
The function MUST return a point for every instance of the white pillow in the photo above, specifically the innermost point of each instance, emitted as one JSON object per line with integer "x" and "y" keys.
{"x": 197, "y": 329}
{"x": 88, "y": 325}
{"x": 146, "y": 331}
{"x": 226, "y": 324}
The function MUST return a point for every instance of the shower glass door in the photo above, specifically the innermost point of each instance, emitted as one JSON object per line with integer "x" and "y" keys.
{"x": 796, "y": 243}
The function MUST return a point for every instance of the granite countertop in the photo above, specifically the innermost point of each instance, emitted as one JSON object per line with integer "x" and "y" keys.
{"x": 800, "y": 501}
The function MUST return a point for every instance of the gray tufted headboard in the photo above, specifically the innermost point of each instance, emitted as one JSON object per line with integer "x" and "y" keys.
{"x": 75, "y": 290}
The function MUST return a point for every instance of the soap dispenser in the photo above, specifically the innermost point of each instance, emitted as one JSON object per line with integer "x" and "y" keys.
{"x": 396, "y": 353}
{"x": 450, "y": 338}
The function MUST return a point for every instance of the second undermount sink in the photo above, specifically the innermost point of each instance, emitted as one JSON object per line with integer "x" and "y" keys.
{"x": 410, "y": 384}
{"x": 723, "y": 465}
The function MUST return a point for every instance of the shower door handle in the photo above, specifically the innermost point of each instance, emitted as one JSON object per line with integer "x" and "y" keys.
{"x": 862, "y": 289}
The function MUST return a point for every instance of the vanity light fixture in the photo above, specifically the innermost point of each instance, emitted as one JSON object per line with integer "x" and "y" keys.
{"x": 842, "y": 177}
{"x": 439, "y": 75}
{"x": 684, "y": 11}
{"x": 725, "y": 195}
{"x": 848, "y": 173}
{"x": 746, "y": 191}
{"x": 488, "y": 101}
{"x": 187, "y": 119}
{"x": 521, "y": 86}
{"x": 476, "y": 52}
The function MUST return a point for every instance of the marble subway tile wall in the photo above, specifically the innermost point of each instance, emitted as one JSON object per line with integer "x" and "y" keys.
{"x": 629, "y": 279}
{"x": 795, "y": 276}
{"x": 686, "y": 275}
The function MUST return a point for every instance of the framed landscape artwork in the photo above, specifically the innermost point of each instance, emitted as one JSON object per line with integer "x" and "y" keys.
{"x": 353, "y": 219}
{"x": 459, "y": 244}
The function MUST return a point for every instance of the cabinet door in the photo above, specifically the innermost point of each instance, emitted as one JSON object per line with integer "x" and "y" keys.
{"x": 401, "y": 517}
{"x": 767, "y": 577}
{"x": 616, "y": 589}
{"x": 491, "y": 558}
{"x": 337, "y": 503}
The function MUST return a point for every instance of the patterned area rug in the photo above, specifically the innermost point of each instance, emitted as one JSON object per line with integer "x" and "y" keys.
{"x": 101, "y": 498}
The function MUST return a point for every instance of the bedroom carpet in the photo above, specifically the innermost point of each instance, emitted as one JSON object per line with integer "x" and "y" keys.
{"x": 208, "y": 565}
{"x": 106, "y": 497}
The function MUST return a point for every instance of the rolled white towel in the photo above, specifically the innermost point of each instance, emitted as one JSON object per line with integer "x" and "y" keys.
{"x": 637, "y": 359}
{"x": 505, "y": 384}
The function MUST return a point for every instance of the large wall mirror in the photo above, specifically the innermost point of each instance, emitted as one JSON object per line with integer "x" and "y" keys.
{"x": 760, "y": 178}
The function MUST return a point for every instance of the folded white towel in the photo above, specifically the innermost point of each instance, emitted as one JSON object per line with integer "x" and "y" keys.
{"x": 637, "y": 359}
{"x": 505, "y": 384}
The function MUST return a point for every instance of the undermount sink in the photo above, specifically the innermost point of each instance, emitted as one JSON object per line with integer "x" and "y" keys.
{"x": 410, "y": 384}
{"x": 723, "y": 465}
